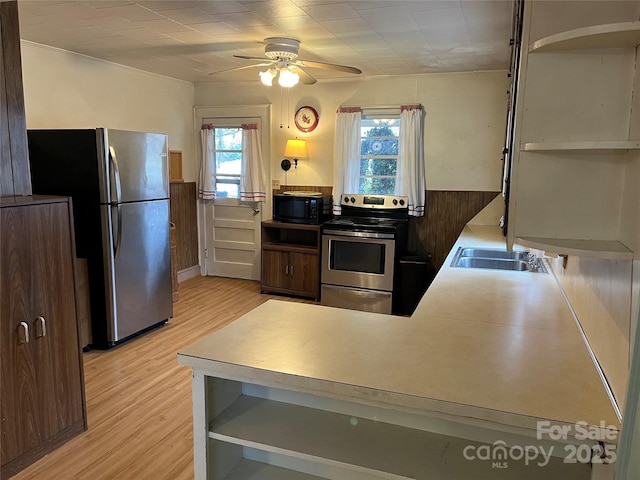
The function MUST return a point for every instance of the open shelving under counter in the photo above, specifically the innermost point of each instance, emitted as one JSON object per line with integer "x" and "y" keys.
{"x": 253, "y": 470}
{"x": 608, "y": 249}
{"x": 342, "y": 445}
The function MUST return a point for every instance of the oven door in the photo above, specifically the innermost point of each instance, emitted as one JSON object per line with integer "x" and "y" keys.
{"x": 358, "y": 259}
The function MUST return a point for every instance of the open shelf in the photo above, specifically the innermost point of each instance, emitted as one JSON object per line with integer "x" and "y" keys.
{"x": 609, "y": 249}
{"x": 290, "y": 247}
{"x": 613, "y": 35}
{"x": 361, "y": 445}
{"x": 290, "y": 226}
{"x": 251, "y": 470}
{"x": 371, "y": 448}
{"x": 620, "y": 146}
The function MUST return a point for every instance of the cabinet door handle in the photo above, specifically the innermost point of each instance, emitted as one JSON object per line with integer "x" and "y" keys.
{"x": 291, "y": 269}
{"x": 41, "y": 327}
{"x": 23, "y": 333}
{"x": 286, "y": 269}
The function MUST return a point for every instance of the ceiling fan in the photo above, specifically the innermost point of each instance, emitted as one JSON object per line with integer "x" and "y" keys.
{"x": 282, "y": 59}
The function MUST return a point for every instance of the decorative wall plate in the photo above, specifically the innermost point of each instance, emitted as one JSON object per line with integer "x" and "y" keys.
{"x": 306, "y": 119}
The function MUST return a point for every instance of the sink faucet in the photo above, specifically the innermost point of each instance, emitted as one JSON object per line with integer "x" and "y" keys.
{"x": 533, "y": 263}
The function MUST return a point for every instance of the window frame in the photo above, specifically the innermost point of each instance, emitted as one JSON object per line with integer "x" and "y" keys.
{"x": 230, "y": 122}
{"x": 220, "y": 177}
{"x": 379, "y": 114}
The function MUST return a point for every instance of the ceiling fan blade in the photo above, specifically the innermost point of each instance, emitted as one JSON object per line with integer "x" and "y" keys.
{"x": 304, "y": 76}
{"x": 328, "y": 66}
{"x": 241, "y": 68}
{"x": 244, "y": 57}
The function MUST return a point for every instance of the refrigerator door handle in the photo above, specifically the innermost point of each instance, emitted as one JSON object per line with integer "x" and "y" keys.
{"x": 116, "y": 174}
{"x": 118, "y": 236}
{"x": 116, "y": 228}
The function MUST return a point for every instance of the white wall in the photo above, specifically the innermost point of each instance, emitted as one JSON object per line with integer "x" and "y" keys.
{"x": 464, "y": 126}
{"x": 67, "y": 90}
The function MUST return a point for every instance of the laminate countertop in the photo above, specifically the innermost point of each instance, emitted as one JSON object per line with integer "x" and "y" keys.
{"x": 496, "y": 347}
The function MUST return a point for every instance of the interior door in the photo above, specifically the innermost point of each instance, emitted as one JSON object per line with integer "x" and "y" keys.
{"x": 233, "y": 239}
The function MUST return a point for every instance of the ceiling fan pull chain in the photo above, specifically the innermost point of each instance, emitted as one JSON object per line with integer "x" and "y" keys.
{"x": 281, "y": 107}
{"x": 288, "y": 109}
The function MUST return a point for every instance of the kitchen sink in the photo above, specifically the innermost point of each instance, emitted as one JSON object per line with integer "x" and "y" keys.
{"x": 496, "y": 260}
{"x": 489, "y": 253}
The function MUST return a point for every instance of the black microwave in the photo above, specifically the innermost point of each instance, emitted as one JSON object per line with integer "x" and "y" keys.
{"x": 302, "y": 207}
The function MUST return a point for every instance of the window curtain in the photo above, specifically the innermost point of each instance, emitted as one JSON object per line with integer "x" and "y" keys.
{"x": 253, "y": 183}
{"x": 346, "y": 154}
{"x": 411, "y": 166}
{"x": 207, "y": 186}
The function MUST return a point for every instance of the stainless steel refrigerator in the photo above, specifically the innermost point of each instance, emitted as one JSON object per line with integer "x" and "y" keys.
{"x": 119, "y": 184}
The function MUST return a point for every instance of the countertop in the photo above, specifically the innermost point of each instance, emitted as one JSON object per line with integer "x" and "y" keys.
{"x": 487, "y": 345}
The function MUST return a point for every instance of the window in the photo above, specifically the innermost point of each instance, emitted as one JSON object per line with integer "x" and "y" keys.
{"x": 378, "y": 154}
{"x": 228, "y": 161}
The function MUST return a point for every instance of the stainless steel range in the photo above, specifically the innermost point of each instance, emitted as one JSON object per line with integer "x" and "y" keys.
{"x": 359, "y": 251}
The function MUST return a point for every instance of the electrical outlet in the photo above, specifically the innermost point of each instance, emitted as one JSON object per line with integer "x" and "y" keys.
{"x": 275, "y": 184}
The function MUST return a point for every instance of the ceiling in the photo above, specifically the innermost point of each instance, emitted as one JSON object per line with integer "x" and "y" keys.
{"x": 189, "y": 39}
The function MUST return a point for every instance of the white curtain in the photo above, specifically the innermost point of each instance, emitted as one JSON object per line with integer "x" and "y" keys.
{"x": 346, "y": 154}
{"x": 411, "y": 167}
{"x": 207, "y": 185}
{"x": 253, "y": 183}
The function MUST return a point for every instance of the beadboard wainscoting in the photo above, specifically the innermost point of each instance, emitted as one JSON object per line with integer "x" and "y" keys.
{"x": 184, "y": 216}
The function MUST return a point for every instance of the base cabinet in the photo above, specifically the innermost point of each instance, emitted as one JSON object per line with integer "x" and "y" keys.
{"x": 41, "y": 383}
{"x": 290, "y": 259}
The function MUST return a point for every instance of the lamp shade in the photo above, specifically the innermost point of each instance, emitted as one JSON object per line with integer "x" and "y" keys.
{"x": 287, "y": 78}
{"x": 267, "y": 77}
{"x": 296, "y": 149}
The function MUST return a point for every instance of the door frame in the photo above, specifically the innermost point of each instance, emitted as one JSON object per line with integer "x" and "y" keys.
{"x": 200, "y": 113}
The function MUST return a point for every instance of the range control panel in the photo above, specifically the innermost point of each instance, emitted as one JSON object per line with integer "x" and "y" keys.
{"x": 375, "y": 201}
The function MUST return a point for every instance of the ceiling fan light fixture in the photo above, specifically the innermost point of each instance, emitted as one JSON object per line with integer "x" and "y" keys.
{"x": 267, "y": 77}
{"x": 287, "y": 78}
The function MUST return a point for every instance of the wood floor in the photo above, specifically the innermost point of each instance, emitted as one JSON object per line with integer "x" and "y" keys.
{"x": 139, "y": 398}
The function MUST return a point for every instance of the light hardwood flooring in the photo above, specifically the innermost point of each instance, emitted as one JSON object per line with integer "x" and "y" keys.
{"x": 139, "y": 398}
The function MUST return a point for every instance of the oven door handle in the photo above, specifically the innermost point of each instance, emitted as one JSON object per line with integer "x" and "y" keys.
{"x": 344, "y": 233}
{"x": 368, "y": 293}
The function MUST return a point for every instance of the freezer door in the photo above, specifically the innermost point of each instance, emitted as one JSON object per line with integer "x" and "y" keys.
{"x": 139, "y": 273}
{"x": 137, "y": 164}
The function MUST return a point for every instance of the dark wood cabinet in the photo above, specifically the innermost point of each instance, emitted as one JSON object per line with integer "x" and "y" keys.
{"x": 14, "y": 161}
{"x": 291, "y": 259}
{"x": 42, "y": 383}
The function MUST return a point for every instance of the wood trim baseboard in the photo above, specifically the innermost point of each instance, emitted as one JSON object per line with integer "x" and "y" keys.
{"x": 188, "y": 273}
